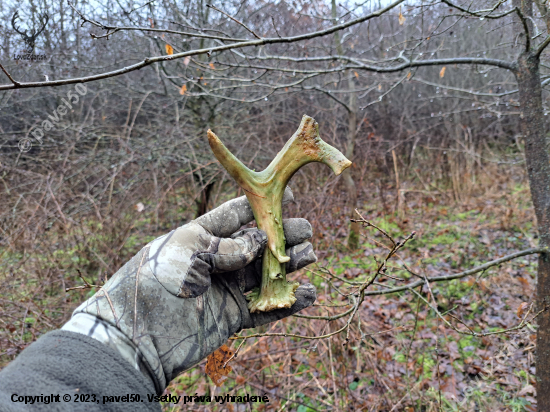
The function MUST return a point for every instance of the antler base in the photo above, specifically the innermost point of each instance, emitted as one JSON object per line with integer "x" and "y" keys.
{"x": 276, "y": 292}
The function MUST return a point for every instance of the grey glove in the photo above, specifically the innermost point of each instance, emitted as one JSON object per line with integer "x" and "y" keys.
{"x": 181, "y": 297}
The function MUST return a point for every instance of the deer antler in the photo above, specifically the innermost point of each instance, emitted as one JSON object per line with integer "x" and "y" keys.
{"x": 264, "y": 191}
{"x": 15, "y": 17}
{"x": 44, "y": 23}
{"x": 29, "y": 40}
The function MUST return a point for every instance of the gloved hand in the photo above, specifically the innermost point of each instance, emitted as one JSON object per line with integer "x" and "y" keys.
{"x": 181, "y": 297}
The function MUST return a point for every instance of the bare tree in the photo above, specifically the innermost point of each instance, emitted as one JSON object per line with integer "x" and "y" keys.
{"x": 218, "y": 58}
{"x": 523, "y": 50}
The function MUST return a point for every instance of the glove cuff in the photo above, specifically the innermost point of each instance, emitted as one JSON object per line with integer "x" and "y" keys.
{"x": 106, "y": 333}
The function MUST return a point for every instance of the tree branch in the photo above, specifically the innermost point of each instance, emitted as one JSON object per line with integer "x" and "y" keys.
{"x": 366, "y": 65}
{"x": 481, "y": 13}
{"x": 542, "y": 46}
{"x": 457, "y": 89}
{"x": 252, "y": 43}
{"x": 460, "y": 275}
{"x": 16, "y": 83}
{"x": 523, "y": 20}
{"x": 124, "y": 28}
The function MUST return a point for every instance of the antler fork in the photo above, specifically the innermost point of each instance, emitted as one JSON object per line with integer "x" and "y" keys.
{"x": 264, "y": 191}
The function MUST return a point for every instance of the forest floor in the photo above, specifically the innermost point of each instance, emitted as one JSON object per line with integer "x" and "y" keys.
{"x": 403, "y": 357}
{"x": 400, "y": 355}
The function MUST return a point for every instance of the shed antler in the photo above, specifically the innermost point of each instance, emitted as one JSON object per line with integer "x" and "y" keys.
{"x": 264, "y": 191}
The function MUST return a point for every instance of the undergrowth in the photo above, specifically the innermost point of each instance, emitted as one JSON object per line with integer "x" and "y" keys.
{"x": 400, "y": 356}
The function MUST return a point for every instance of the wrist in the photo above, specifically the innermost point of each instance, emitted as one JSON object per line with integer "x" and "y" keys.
{"x": 104, "y": 332}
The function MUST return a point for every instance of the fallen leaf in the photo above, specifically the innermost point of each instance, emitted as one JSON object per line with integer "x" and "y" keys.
{"x": 524, "y": 282}
{"x": 183, "y": 89}
{"x": 169, "y": 49}
{"x": 442, "y": 72}
{"x": 401, "y": 18}
{"x": 528, "y": 389}
{"x": 212, "y": 66}
{"x": 454, "y": 353}
{"x": 215, "y": 362}
{"x": 521, "y": 309}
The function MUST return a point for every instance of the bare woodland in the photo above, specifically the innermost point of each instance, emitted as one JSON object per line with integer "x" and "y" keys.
{"x": 433, "y": 278}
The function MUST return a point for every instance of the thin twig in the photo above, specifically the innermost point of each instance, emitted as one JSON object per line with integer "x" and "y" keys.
{"x": 115, "y": 29}
{"x": 87, "y": 285}
{"x": 235, "y": 20}
{"x": 366, "y": 223}
{"x": 234, "y": 354}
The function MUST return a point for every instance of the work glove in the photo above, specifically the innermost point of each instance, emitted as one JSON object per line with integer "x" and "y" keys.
{"x": 182, "y": 296}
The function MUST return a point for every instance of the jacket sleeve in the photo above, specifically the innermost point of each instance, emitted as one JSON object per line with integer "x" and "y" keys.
{"x": 71, "y": 364}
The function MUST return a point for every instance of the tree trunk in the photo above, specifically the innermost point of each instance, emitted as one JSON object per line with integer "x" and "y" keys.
{"x": 204, "y": 199}
{"x": 351, "y": 188}
{"x": 537, "y": 159}
{"x": 538, "y": 169}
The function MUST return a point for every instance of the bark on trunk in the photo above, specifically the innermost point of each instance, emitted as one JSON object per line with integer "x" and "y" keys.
{"x": 538, "y": 168}
{"x": 204, "y": 199}
{"x": 351, "y": 188}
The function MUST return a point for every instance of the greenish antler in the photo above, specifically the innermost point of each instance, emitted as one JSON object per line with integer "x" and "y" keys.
{"x": 264, "y": 191}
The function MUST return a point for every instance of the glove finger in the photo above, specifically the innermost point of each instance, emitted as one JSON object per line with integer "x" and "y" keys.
{"x": 300, "y": 256}
{"x": 305, "y": 297}
{"x": 230, "y": 216}
{"x": 297, "y": 230}
{"x": 231, "y": 254}
{"x": 288, "y": 196}
{"x": 183, "y": 260}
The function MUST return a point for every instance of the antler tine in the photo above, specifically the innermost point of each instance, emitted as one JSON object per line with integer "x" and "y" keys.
{"x": 44, "y": 23}
{"x": 15, "y": 17}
